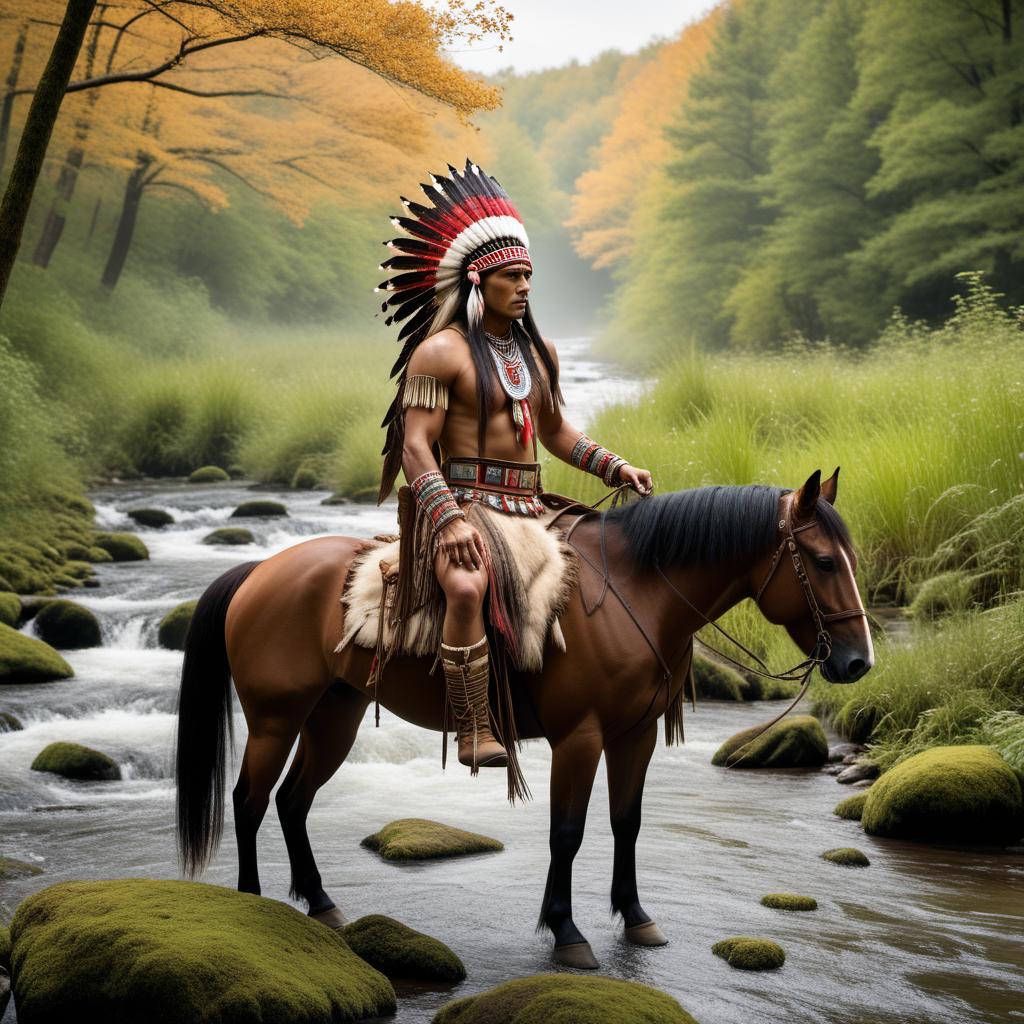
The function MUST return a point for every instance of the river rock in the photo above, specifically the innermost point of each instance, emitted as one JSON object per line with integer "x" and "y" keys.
{"x": 716, "y": 681}
{"x": 422, "y": 839}
{"x": 965, "y": 794}
{"x": 181, "y": 952}
{"x": 11, "y": 869}
{"x": 208, "y": 475}
{"x": 797, "y": 742}
{"x": 152, "y": 517}
{"x": 563, "y": 998}
{"x": 9, "y": 722}
{"x": 789, "y": 901}
{"x": 834, "y": 769}
{"x": 851, "y": 808}
{"x": 68, "y": 626}
{"x": 122, "y": 547}
{"x": 398, "y": 951}
{"x": 863, "y": 783}
{"x": 857, "y": 772}
{"x": 261, "y": 508}
{"x": 843, "y": 750}
{"x": 847, "y": 857}
{"x": 850, "y": 759}
{"x": 750, "y": 954}
{"x": 230, "y": 535}
{"x": 10, "y": 609}
{"x": 173, "y": 628}
{"x": 23, "y": 659}
{"x": 75, "y": 761}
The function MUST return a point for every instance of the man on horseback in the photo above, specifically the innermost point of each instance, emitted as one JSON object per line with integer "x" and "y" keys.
{"x": 477, "y": 386}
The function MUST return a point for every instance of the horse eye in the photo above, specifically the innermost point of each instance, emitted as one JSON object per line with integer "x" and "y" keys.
{"x": 825, "y": 564}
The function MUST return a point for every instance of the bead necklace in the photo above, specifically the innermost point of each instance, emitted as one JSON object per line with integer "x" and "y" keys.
{"x": 516, "y": 382}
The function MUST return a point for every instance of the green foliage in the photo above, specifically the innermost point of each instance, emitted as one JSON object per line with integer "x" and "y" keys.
{"x": 68, "y": 626}
{"x": 796, "y": 742}
{"x": 846, "y": 856}
{"x": 961, "y": 794}
{"x": 122, "y": 547}
{"x": 1004, "y": 733}
{"x": 10, "y": 609}
{"x": 789, "y": 901}
{"x": 421, "y": 839}
{"x": 398, "y": 951}
{"x": 75, "y": 761}
{"x": 942, "y": 594}
{"x": 230, "y": 535}
{"x": 852, "y": 807}
{"x": 23, "y": 659}
{"x": 261, "y": 508}
{"x": 179, "y": 951}
{"x": 173, "y": 628}
{"x": 547, "y": 998}
{"x": 750, "y": 954}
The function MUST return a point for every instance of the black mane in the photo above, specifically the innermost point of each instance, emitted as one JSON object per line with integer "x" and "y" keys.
{"x": 710, "y": 524}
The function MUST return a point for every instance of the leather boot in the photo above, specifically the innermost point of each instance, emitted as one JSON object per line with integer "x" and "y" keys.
{"x": 466, "y": 672}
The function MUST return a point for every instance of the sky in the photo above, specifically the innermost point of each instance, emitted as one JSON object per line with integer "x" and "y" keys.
{"x": 549, "y": 33}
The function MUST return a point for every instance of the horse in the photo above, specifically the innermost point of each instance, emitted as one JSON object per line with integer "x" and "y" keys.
{"x": 653, "y": 572}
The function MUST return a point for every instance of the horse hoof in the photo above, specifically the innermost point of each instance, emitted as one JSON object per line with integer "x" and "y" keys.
{"x": 333, "y": 918}
{"x": 648, "y": 934}
{"x": 578, "y": 955}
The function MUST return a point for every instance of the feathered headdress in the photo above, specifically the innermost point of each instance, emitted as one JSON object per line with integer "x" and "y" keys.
{"x": 471, "y": 227}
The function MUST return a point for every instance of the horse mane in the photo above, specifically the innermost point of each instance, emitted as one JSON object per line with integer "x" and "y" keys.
{"x": 705, "y": 525}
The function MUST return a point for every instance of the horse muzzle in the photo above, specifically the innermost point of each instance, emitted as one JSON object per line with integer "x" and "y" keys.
{"x": 846, "y": 664}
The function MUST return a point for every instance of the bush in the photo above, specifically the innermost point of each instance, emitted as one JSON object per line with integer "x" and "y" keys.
{"x": 122, "y": 547}
{"x": 259, "y": 509}
{"x": 10, "y": 609}
{"x": 847, "y": 856}
{"x": 789, "y": 901}
{"x": 208, "y": 475}
{"x": 75, "y": 761}
{"x": 173, "y": 628}
{"x": 152, "y": 517}
{"x": 749, "y": 954}
{"x": 797, "y": 742}
{"x": 69, "y": 626}
{"x": 401, "y": 952}
{"x": 230, "y": 535}
{"x": 180, "y": 952}
{"x": 852, "y": 807}
{"x": 940, "y": 595}
{"x": 421, "y": 839}
{"x": 23, "y": 659}
{"x": 305, "y": 479}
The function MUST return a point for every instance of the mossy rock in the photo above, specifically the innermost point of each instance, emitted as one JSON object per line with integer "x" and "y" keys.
{"x": 852, "y": 807}
{"x": 152, "y": 517}
{"x": 789, "y": 901}
{"x": 208, "y": 475}
{"x": 398, "y": 951}
{"x": 942, "y": 594}
{"x": 566, "y": 999}
{"x": 422, "y": 839}
{"x": 236, "y": 472}
{"x": 847, "y": 857}
{"x": 75, "y": 761}
{"x": 366, "y": 495}
{"x": 9, "y": 722}
{"x": 759, "y": 688}
{"x": 305, "y": 479}
{"x": 68, "y": 626}
{"x": 98, "y": 554}
{"x": 64, "y": 582}
{"x": 78, "y": 570}
{"x": 230, "y": 535}
{"x": 77, "y": 552}
{"x": 122, "y": 547}
{"x": 797, "y": 742}
{"x": 11, "y": 869}
{"x": 261, "y": 508}
{"x": 10, "y": 609}
{"x": 335, "y": 499}
{"x": 173, "y": 628}
{"x": 716, "y": 681}
{"x": 5, "y": 952}
{"x": 24, "y": 659}
{"x": 177, "y": 952}
{"x": 963, "y": 794}
{"x": 750, "y": 954}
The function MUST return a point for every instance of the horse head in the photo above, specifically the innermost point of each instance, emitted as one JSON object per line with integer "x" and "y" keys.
{"x": 808, "y": 586}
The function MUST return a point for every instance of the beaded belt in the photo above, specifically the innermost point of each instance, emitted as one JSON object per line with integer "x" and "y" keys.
{"x": 505, "y": 486}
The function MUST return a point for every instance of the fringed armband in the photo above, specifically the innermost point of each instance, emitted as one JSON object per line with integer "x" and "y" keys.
{"x": 437, "y": 500}
{"x": 589, "y": 456}
{"x": 424, "y": 392}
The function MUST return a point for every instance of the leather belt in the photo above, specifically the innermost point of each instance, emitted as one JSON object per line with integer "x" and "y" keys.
{"x": 516, "y": 478}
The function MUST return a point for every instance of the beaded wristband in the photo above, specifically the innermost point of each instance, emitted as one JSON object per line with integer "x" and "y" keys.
{"x": 589, "y": 456}
{"x": 436, "y": 499}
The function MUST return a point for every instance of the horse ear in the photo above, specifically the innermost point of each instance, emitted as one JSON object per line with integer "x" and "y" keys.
{"x": 830, "y": 486}
{"x": 807, "y": 497}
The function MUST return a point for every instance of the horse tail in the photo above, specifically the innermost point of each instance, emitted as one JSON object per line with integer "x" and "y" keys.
{"x": 204, "y": 723}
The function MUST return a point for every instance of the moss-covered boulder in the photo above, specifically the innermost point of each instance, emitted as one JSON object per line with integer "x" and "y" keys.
{"x": 98, "y": 555}
{"x": 10, "y": 868}
{"x": 851, "y": 808}
{"x": 122, "y": 547}
{"x": 797, "y": 742}
{"x": 177, "y": 952}
{"x": 78, "y": 570}
{"x": 75, "y": 761}
{"x": 5, "y": 949}
{"x": 402, "y": 952}
{"x": 789, "y": 901}
{"x": 10, "y": 609}
{"x": 230, "y": 535}
{"x": 716, "y": 681}
{"x": 422, "y": 839}
{"x": 23, "y": 659}
{"x": 208, "y": 475}
{"x": 151, "y": 517}
{"x": 174, "y": 625}
{"x": 76, "y": 551}
{"x": 942, "y": 594}
{"x": 847, "y": 857}
{"x": 750, "y": 954}
{"x": 9, "y": 722}
{"x": 759, "y": 688}
{"x": 566, "y": 999}
{"x": 963, "y": 794}
{"x": 68, "y": 626}
{"x": 259, "y": 509}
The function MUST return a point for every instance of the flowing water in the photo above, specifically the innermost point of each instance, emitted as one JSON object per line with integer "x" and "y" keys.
{"x": 923, "y": 935}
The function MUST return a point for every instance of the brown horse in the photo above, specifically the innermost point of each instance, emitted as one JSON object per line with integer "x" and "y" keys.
{"x": 652, "y": 571}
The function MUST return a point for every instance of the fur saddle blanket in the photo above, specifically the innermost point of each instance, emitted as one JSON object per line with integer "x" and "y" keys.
{"x": 532, "y": 573}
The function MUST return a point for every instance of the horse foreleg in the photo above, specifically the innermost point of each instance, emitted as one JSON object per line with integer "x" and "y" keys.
{"x": 626, "y": 759}
{"x": 573, "y": 765}
{"x": 324, "y": 743}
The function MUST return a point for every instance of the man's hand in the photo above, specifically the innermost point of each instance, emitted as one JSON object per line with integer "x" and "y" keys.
{"x": 462, "y": 544}
{"x": 639, "y": 479}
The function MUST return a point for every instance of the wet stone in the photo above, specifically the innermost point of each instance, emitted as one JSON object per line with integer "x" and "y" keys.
{"x": 857, "y": 772}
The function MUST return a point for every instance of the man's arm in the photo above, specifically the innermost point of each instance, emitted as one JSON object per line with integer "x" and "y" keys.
{"x": 561, "y": 438}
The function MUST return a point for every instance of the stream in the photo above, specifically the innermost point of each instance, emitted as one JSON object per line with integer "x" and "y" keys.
{"x": 925, "y": 935}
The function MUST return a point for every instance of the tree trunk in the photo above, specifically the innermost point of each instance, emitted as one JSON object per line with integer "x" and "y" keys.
{"x": 56, "y": 216}
{"x": 126, "y": 223}
{"x": 35, "y": 137}
{"x": 7, "y": 108}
